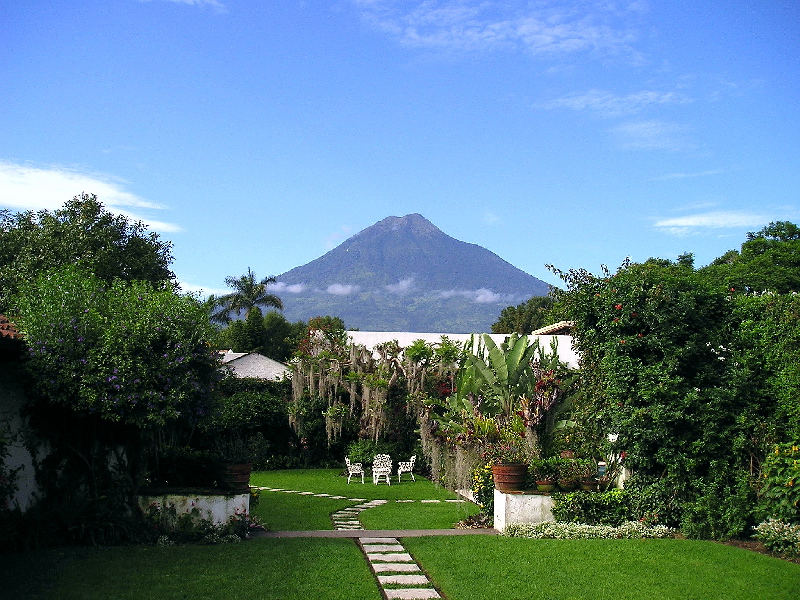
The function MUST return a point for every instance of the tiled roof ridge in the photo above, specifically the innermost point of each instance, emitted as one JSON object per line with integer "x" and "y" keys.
{"x": 8, "y": 330}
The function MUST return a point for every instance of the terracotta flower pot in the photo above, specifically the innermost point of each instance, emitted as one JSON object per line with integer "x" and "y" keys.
{"x": 510, "y": 477}
{"x": 236, "y": 476}
{"x": 546, "y": 486}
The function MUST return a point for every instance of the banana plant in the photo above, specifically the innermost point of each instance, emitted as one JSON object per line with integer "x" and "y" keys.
{"x": 493, "y": 378}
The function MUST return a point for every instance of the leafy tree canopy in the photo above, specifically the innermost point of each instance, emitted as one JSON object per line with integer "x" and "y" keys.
{"x": 130, "y": 352}
{"x": 768, "y": 261}
{"x": 524, "y": 317}
{"x": 81, "y": 233}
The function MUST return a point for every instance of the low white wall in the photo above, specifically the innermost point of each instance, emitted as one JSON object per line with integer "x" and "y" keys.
{"x": 521, "y": 508}
{"x": 216, "y": 508}
{"x": 12, "y": 399}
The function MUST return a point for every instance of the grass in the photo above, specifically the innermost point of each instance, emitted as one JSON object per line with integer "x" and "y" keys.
{"x": 282, "y": 511}
{"x": 286, "y": 569}
{"x": 464, "y": 568}
{"x": 511, "y": 568}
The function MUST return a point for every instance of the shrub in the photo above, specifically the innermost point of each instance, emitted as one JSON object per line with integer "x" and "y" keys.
{"x": 364, "y": 451}
{"x": 613, "y": 507}
{"x": 167, "y": 527}
{"x": 578, "y": 531}
{"x": 779, "y": 536}
{"x": 780, "y": 489}
{"x": 483, "y": 488}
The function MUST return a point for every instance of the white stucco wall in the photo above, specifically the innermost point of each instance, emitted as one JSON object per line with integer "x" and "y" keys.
{"x": 370, "y": 339}
{"x": 12, "y": 399}
{"x": 213, "y": 508}
{"x": 521, "y": 508}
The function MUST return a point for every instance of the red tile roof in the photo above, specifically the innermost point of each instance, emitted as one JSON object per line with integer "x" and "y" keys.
{"x": 8, "y": 330}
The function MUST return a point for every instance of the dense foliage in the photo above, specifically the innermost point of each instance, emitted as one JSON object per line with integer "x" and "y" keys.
{"x": 524, "y": 318}
{"x": 129, "y": 352}
{"x": 81, "y": 233}
{"x": 118, "y": 372}
{"x": 696, "y": 382}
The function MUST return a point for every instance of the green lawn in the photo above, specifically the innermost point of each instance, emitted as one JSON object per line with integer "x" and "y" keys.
{"x": 511, "y": 568}
{"x": 286, "y": 569}
{"x": 464, "y": 568}
{"x": 282, "y": 511}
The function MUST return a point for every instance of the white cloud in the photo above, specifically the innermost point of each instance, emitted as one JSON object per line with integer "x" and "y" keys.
{"x": 339, "y": 289}
{"x": 24, "y": 187}
{"x": 465, "y": 25}
{"x": 651, "y": 135}
{"x": 402, "y": 286}
{"x": 672, "y": 176}
{"x": 203, "y": 291}
{"x": 479, "y": 296}
{"x": 283, "y": 287}
{"x": 608, "y": 104}
{"x": 711, "y": 220}
{"x": 491, "y": 218}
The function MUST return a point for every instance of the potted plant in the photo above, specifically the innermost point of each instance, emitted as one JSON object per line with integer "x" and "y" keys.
{"x": 567, "y": 474}
{"x": 586, "y": 468}
{"x": 544, "y": 472}
{"x": 509, "y": 466}
{"x": 234, "y": 463}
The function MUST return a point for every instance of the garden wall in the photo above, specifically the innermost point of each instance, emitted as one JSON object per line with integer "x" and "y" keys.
{"x": 521, "y": 507}
{"x": 213, "y": 507}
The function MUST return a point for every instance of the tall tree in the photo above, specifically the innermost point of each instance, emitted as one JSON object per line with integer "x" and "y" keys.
{"x": 524, "y": 317}
{"x": 768, "y": 261}
{"x": 81, "y": 233}
{"x": 248, "y": 292}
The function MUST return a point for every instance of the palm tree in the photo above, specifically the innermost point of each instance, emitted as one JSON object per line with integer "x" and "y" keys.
{"x": 248, "y": 293}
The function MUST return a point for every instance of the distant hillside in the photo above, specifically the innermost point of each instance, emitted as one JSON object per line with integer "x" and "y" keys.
{"x": 404, "y": 274}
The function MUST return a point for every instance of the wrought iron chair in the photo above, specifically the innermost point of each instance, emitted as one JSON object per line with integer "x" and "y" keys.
{"x": 406, "y": 467}
{"x": 381, "y": 467}
{"x": 353, "y": 469}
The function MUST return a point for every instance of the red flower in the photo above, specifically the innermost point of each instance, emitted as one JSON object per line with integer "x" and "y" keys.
{"x": 622, "y": 341}
{"x": 618, "y": 306}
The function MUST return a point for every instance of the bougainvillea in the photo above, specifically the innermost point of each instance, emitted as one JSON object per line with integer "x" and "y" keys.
{"x": 129, "y": 352}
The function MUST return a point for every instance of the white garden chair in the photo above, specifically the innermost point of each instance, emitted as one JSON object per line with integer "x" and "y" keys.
{"x": 406, "y": 467}
{"x": 381, "y": 467}
{"x": 353, "y": 469}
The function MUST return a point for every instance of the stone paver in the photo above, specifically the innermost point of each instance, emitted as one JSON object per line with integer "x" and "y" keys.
{"x": 395, "y": 567}
{"x": 412, "y": 594}
{"x": 394, "y": 557}
{"x": 403, "y": 580}
{"x": 383, "y": 548}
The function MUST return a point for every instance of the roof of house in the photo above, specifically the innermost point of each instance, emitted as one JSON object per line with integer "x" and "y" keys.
{"x": 560, "y": 328}
{"x": 253, "y": 364}
{"x": 8, "y": 330}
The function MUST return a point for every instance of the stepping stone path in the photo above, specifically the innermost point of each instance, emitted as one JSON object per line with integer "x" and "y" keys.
{"x": 395, "y": 569}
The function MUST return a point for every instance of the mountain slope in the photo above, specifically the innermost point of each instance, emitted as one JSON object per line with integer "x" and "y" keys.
{"x": 404, "y": 274}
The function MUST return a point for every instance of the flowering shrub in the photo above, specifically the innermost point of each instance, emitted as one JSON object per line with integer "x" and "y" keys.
{"x": 779, "y": 536}
{"x": 631, "y": 530}
{"x": 781, "y": 482}
{"x": 483, "y": 488}
{"x": 130, "y": 352}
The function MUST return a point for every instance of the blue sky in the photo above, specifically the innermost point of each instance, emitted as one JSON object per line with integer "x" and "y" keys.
{"x": 262, "y": 134}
